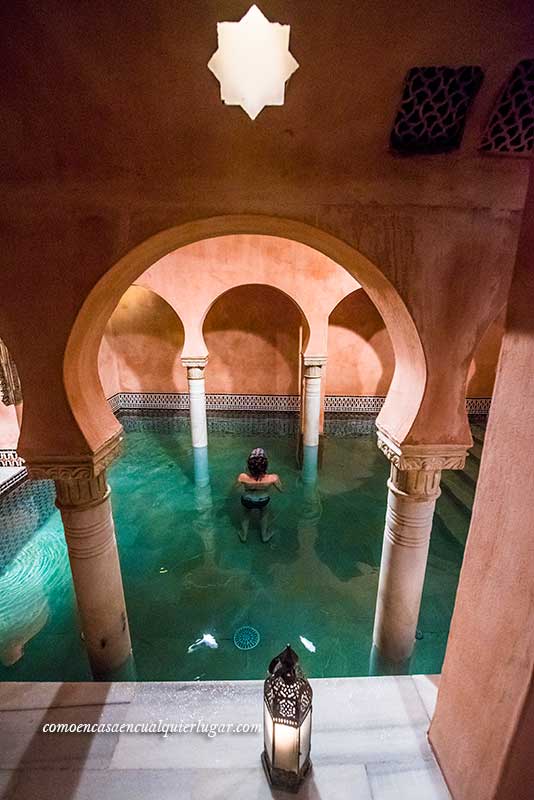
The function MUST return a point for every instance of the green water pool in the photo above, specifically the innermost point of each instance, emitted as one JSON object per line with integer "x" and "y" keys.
{"x": 187, "y": 574}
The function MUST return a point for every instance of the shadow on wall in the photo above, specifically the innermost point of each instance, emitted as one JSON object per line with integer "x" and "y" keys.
{"x": 141, "y": 346}
{"x": 253, "y": 334}
{"x": 481, "y": 375}
{"x": 360, "y": 355}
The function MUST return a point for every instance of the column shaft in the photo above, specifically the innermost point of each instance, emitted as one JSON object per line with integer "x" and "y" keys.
{"x": 197, "y": 406}
{"x": 312, "y": 404}
{"x": 90, "y": 534}
{"x": 412, "y": 497}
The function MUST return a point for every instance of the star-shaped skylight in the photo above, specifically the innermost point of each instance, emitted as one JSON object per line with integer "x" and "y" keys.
{"x": 252, "y": 62}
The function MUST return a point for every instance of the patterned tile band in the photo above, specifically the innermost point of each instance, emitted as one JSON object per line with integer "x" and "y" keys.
{"x": 264, "y": 402}
{"x": 9, "y": 458}
{"x": 335, "y": 405}
{"x": 14, "y": 480}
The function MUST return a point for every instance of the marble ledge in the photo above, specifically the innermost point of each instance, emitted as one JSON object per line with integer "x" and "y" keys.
{"x": 368, "y": 742}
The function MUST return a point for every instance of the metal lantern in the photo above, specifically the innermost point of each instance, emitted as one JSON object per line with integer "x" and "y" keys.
{"x": 287, "y": 711}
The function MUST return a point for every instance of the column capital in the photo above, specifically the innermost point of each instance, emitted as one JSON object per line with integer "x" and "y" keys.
{"x": 194, "y": 361}
{"x": 77, "y": 467}
{"x": 415, "y": 484}
{"x": 427, "y": 457}
{"x": 81, "y": 493}
{"x": 314, "y": 360}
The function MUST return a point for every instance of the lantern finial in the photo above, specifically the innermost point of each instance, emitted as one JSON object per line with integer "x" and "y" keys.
{"x": 284, "y": 665}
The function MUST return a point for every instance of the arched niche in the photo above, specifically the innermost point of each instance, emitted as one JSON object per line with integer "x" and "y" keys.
{"x": 141, "y": 346}
{"x": 82, "y": 383}
{"x": 254, "y": 335}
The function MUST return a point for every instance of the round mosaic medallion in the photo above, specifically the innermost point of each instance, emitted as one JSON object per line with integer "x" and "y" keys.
{"x": 246, "y": 638}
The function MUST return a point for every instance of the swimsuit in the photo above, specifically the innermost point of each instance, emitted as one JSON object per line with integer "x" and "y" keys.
{"x": 250, "y": 502}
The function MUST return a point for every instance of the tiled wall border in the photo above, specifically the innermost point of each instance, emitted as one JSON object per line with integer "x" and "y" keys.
{"x": 9, "y": 458}
{"x": 13, "y": 481}
{"x": 177, "y": 401}
{"x": 346, "y": 404}
{"x": 126, "y": 401}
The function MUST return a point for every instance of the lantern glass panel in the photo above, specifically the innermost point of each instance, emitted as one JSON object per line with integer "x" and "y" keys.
{"x": 286, "y": 747}
{"x": 268, "y": 733}
{"x": 305, "y": 740}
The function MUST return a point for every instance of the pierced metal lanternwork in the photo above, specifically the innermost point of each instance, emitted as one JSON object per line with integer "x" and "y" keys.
{"x": 287, "y": 711}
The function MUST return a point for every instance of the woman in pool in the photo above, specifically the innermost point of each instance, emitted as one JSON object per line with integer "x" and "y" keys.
{"x": 257, "y": 484}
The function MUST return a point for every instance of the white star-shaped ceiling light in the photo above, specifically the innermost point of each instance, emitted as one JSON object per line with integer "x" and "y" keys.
{"x": 252, "y": 62}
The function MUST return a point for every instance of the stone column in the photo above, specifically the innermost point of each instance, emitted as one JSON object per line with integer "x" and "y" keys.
{"x": 197, "y": 400}
{"x": 413, "y": 490}
{"x": 412, "y": 496}
{"x": 85, "y": 508}
{"x": 312, "y": 399}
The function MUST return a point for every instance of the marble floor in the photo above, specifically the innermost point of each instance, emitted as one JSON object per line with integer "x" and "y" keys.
{"x": 368, "y": 743}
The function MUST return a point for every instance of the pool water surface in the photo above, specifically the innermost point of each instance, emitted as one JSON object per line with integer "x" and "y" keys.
{"x": 190, "y": 583}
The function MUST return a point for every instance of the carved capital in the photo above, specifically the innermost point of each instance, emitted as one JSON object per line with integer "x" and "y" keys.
{"x": 81, "y": 493}
{"x": 74, "y": 468}
{"x": 428, "y": 457}
{"x": 314, "y": 361}
{"x": 418, "y": 484}
{"x": 195, "y": 367}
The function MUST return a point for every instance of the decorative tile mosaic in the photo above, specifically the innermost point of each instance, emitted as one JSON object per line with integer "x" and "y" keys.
{"x": 281, "y": 423}
{"x": 115, "y": 402}
{"x": 134, "y": 400}
{"x": 13, "y": 480}
{"x": 22, "y": 511}
{"x": 252, "y": 402}
{"x": 510, "y": 130}
{"x": 433, "y": 109}
{"x": 347, "y": 404}
{"x": 478, "y": 405}
{"x": 124, "y": 402}
{"x": 340, "y": 425}
{"x": 214, "y": 402}
{"x": 158, "y": 420}
{"x": 9, "y": 458}
{"x": 231, "y": 422}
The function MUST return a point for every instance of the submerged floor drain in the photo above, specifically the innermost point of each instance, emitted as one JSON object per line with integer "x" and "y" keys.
{"x": 246, "y": 638}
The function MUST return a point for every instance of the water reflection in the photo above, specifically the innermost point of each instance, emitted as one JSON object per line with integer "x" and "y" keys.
{"x": 39, "y": 569}
{"x": 311, "y": 507}
{"x": 380, "y": 665}
{"x": 204, "y": 523}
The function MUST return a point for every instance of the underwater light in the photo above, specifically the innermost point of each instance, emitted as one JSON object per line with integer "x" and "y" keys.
{"x": 307, "y": 644}
{"x": 206, "y": 639}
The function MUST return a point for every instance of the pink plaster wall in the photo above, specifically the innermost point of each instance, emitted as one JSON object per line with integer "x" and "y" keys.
{"x": 252, "y": 334}
{"x": 141, "y": 349}
{"x": 483, "y": 727}
{"x": 83, "y": 190}
{"x": 360, "y": 355}
{"x": 191, "y": 278}
{"x": 481, "y": 376}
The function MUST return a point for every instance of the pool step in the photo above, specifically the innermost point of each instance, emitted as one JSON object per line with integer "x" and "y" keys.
{"x": 459, "y": 487}
{"x": 454, "y": 517}
{"x": 470, "y": 471}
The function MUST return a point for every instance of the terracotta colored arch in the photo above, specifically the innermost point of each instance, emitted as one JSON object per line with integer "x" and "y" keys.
{"x": 80, "y": 368}
{"x": 154, "y": 317}
{"x": 276, "y": 288}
